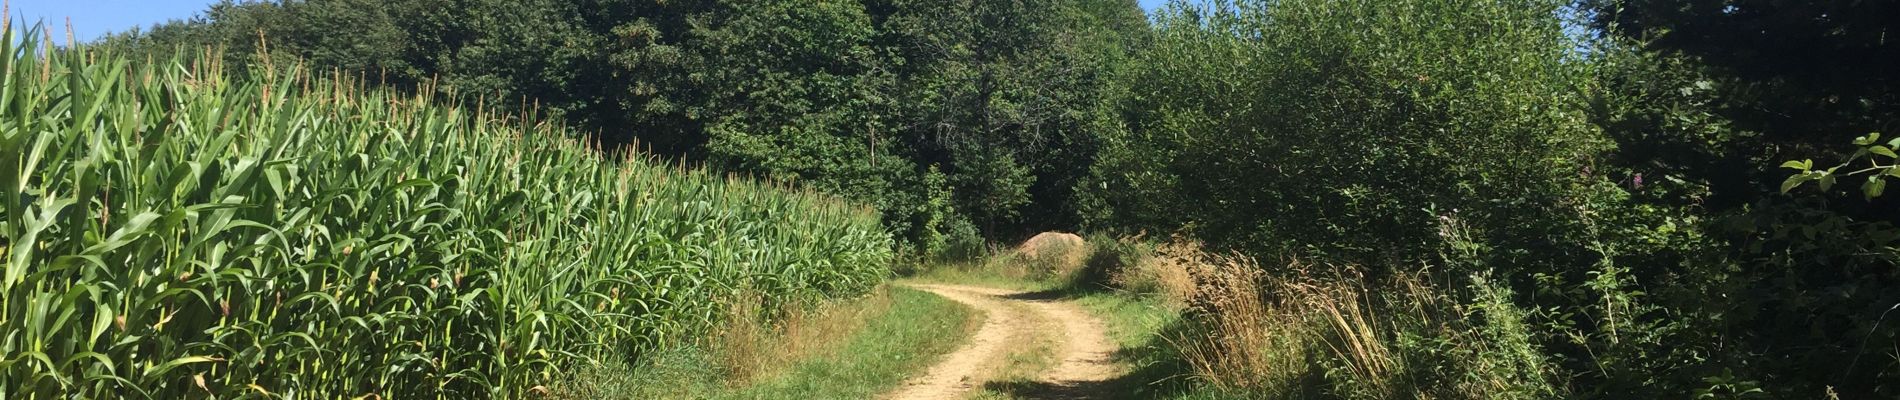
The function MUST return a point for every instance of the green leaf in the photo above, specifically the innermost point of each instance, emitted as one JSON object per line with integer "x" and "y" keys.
{"x": 1802, "y": 165}
{"x": 1874, "y": 186}
{"x": 175, "y": 363}
{"x": 1794, "y": 181}
{"x": 101, "y": 321}
{"x": 1882, "y": 150}
{"x": 1867, "y": 140}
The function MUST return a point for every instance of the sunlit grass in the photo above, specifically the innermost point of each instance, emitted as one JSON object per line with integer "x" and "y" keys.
{"x": 892, "y": 336}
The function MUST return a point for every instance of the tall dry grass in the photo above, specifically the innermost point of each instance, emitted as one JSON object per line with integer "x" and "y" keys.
{"x": 756, "y": 342}
{"x": 1319, "y": 331}
{"x": 1165, "y": 270}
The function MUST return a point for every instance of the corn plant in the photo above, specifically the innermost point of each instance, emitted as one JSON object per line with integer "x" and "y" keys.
{"x": 186, "y": 229}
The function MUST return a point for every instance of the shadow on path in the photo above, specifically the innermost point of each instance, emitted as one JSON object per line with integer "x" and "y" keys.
{"x": 1157, "y": 380}
{"x": 1049, "y": 390}
{"x": 1041, "y": 295}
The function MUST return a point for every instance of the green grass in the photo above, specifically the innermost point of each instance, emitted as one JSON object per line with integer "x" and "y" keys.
{"x": 982, "y": 273}
{"x": 1138, "y": 323}
{"x": 900, "y": 341}
{"x": 909, "y": 339}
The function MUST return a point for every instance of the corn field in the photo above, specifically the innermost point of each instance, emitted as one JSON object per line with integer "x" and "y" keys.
{"x": 171, "y": 230}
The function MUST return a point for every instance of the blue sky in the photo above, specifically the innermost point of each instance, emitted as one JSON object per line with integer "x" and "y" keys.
{"x": 92, "y": 18}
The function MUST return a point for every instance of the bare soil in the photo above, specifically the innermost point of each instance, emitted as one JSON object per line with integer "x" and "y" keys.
{"x": 1013, "y": 319}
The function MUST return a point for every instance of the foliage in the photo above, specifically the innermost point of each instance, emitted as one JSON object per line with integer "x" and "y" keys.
{"x": 1805, "y": 72}
{"x": 1354, "y": 145}
{"x": 1607, "y": 166}
{"x": 1610, "y": 186}
{"x": 860, "y": 99}
{"x": 1709, "y": 97}
{"x": 1870, "y": 149}
{"x": 173, "y": 232}
{"x": 1329, "y": 333}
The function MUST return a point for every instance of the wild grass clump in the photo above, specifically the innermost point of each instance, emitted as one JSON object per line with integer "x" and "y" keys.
{"x": 841, "y": 349}
{"x": 757, "y": 341}
{"x": 1302, "y": 332}
{"x": 1150, "y": 268}
{"x": 171, "y": 232}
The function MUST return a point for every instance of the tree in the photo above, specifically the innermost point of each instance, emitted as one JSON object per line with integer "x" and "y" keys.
{"x": 1798, "y": 70}
{"x": 860, "y": 98}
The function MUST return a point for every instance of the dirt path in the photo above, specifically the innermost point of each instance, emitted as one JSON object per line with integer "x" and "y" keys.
{"x": 1013, "y": 318}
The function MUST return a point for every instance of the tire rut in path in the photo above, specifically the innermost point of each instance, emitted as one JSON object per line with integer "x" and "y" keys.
{"x": 1014, "y": 317}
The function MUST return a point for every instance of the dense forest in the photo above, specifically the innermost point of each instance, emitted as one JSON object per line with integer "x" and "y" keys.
{"x": 1610, "y": 198}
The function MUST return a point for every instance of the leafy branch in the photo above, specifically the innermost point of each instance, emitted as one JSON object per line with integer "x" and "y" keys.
{"x": 1877, "y": 173}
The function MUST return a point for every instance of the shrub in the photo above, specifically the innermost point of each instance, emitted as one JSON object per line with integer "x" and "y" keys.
{"x": 1315, "y": 334}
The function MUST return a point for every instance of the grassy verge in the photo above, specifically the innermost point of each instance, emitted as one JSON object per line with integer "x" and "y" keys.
{"x": 1198, "y": 325}
{"x": 888, "y": 337}
{"x": 1137, "y": 323}
{"x": 979, "y": 274}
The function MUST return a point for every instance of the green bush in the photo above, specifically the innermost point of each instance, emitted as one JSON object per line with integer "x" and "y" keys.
{"x": 1479, "y": 138}
{"x": 1299, "y": 131}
